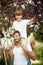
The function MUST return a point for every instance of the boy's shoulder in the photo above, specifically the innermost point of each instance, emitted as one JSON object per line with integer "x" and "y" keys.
{"x": 14, "y": 21}
{"x": 22, "y": 20}
{"x": 25, "y": 19}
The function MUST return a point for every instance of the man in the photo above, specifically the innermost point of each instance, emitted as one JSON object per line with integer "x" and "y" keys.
{"x": 21, "y": 53}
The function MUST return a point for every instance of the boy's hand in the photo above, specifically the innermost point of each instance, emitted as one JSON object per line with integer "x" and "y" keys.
{"x": 33, "y": 19}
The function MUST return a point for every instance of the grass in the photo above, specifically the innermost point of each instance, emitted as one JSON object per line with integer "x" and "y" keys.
{"x": 37, "y": 64}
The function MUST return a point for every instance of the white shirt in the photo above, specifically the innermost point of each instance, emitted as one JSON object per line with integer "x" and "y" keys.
{"x": 19, "y": 56}
{"x": 21, "y": 27}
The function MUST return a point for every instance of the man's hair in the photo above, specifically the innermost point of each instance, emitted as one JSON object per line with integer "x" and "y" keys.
{"x": 16, "y": 32}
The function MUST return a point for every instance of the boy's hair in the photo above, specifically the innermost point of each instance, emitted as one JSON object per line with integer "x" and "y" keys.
{"x": 16, "y": 32}
{"x": 18, "y": 11}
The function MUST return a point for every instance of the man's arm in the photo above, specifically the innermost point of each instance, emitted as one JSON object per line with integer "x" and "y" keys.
{"x": 9, "y": 53}
{"x": 30, "y": 54}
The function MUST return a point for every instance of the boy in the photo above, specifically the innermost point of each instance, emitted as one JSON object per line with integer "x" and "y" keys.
{"x": 20, "y": 24}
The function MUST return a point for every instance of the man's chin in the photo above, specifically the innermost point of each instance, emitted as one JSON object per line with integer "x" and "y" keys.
{"x": 16, "y": 41}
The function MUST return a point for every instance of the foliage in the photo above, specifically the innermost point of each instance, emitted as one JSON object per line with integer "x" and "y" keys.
{"x": 2, "y": 60}
{"x": 37, "y": 64}
{"x": 38, "y": 31}
{"x": 39, "y": 52}
{"x": 4, "y": 23}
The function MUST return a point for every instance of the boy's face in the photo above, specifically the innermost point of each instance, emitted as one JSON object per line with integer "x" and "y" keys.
{"x": 19, "y": 17}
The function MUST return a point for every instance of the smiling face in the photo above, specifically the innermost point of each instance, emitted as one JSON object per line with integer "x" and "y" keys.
{"x": 18, "y": 14}
{"x": 18, "y": 17}
{"x": 16, "y": 37}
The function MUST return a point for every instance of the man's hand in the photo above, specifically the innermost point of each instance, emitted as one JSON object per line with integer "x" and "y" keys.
{"x": 7, "y": 52}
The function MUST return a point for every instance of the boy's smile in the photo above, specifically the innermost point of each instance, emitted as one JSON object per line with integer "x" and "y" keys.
{"x": 19, "y": 17}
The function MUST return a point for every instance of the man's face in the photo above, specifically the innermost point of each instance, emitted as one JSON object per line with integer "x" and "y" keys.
{"x": 16, "y": 37}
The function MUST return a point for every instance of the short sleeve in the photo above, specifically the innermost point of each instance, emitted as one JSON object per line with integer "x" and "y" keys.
{"x": 28, "y": 22}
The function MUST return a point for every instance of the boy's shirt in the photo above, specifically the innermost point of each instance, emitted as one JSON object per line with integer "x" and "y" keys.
{"x": 21, "y": 27}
